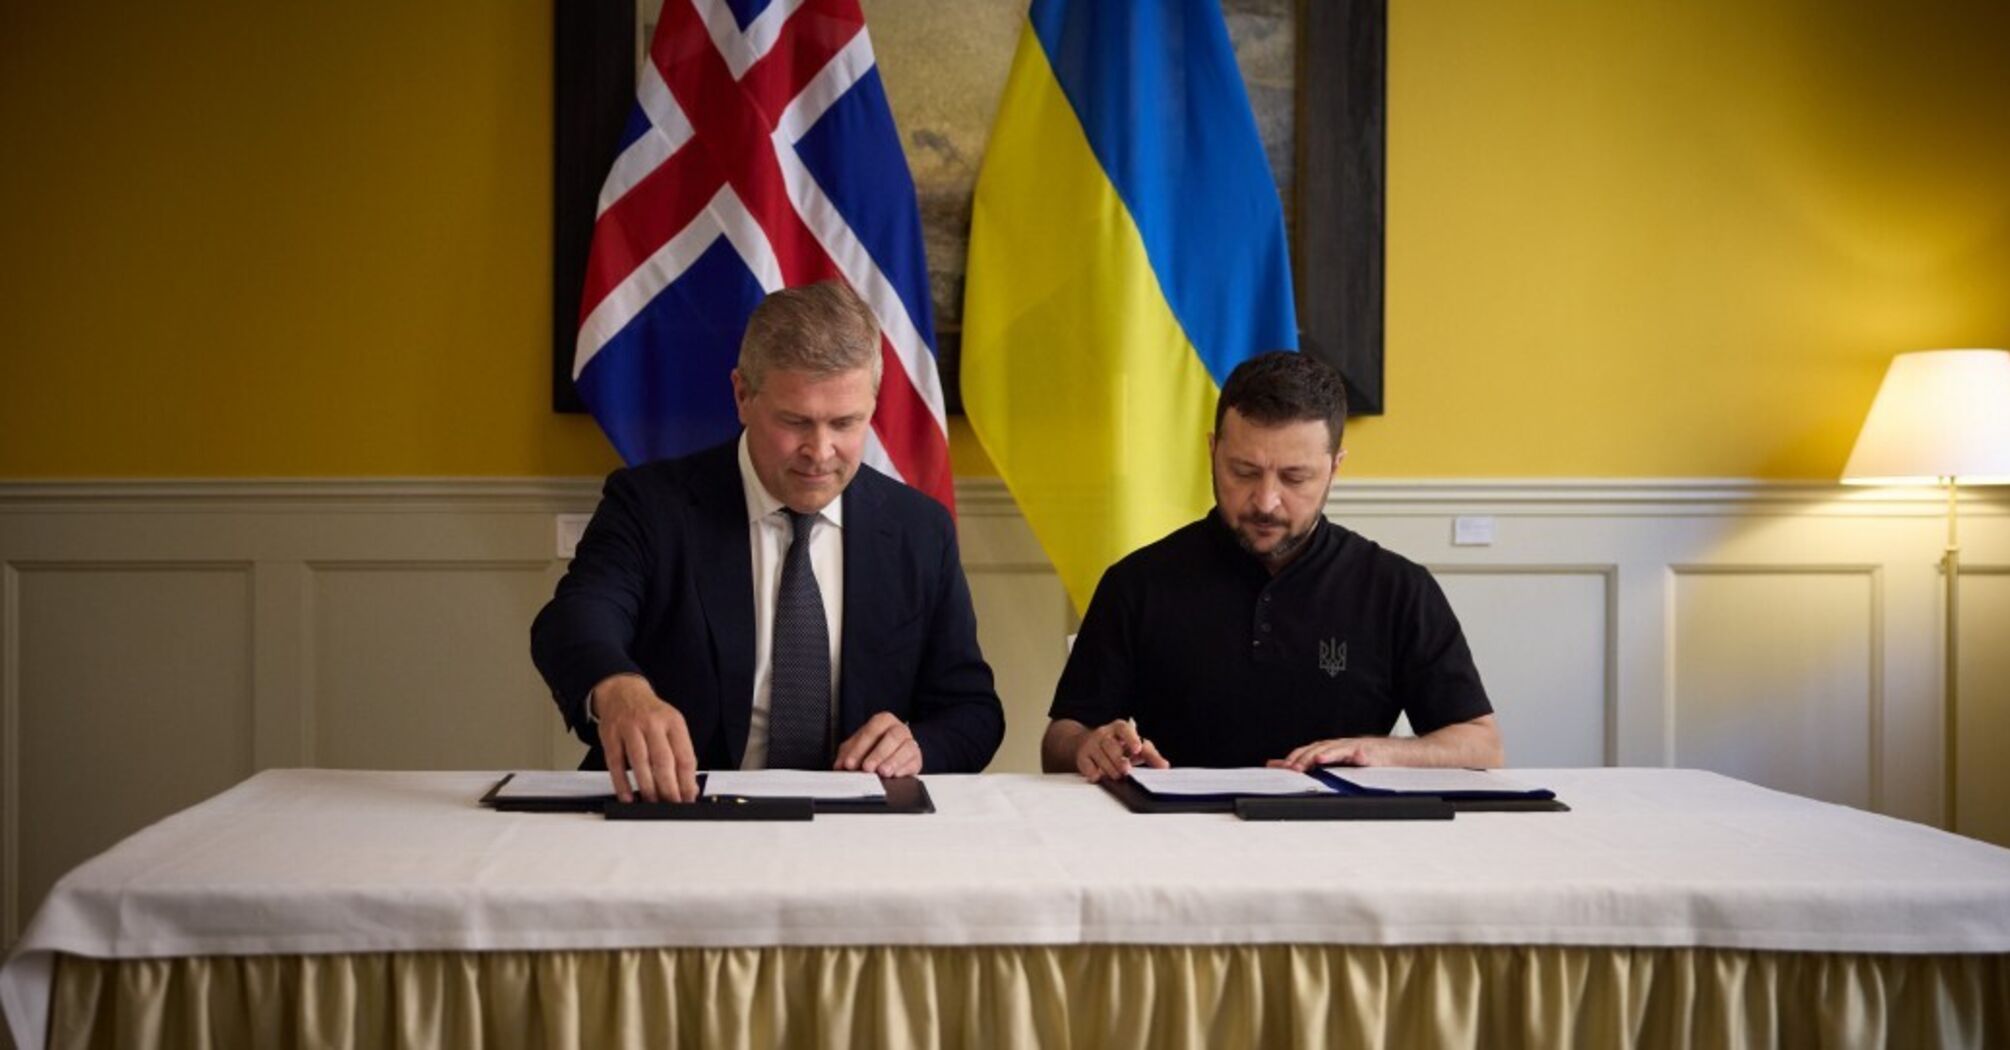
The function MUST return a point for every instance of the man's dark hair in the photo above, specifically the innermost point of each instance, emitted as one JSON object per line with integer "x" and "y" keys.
{"x": 1284, "y": 386}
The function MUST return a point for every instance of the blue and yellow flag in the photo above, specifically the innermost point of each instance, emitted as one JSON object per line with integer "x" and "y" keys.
{"x": 1127, "y": 251}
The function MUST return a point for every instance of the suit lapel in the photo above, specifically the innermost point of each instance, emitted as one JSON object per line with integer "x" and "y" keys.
{"x": 724, "y": 569}
{"x": 865, "y": 545}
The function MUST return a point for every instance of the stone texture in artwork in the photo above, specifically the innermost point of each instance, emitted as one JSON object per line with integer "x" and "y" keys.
{"x": 944, "y": 63}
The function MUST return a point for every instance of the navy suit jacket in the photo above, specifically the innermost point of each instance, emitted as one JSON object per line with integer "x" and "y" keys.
{"x": 662, "y": 586}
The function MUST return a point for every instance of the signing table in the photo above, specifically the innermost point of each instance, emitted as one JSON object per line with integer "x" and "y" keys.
{"x": 1668, "y": 907}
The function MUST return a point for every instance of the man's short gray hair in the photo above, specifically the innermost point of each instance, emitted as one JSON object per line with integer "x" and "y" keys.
{"x": 823, "y": 329}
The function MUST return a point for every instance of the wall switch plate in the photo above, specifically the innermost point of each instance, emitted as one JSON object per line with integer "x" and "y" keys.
{"x": 1473, "y": 530}
{"x": 570, "y": 528}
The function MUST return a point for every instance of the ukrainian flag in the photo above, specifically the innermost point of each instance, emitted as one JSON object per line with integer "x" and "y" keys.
{"x": 1127, "y": 251}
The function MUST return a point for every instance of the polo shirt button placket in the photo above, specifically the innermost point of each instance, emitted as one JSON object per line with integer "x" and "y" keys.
{"x": 1262, "y": 624}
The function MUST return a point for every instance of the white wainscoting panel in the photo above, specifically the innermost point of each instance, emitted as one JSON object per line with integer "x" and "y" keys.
{"x": 1540, "y": 636}
{"x": 1982, "y": 755}
{"x": 411, "y": 659}
{"x": 1026, "y": 649}
{"x": 1773, "y": 677}
{"x": 161, "y": 640}
{"x": 1023, "y": 616}
{"x": 133, "y": 700}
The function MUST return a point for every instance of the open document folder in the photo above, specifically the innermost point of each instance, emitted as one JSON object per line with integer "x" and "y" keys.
{"x": 1194, "y": 782}
{"x": 1196, "y": 790}
{"x": 590, "y": 791}
{"x": 1473, "y": 785}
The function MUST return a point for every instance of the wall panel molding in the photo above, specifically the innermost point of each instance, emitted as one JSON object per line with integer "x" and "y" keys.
{"x": 1606, "y": 656}
{"x": 1985, "y": 702}
{"x": 1870, "y": 649}
{"x": 126, "y": 691}
{"x": 990, "y": 496}
{"x": 1637, "y": 538}
{"x": 11, "y": 905}
{"x": 429, "y": 665}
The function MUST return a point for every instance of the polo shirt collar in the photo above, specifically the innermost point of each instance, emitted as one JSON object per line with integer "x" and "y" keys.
{"x": 1324, "y": 534}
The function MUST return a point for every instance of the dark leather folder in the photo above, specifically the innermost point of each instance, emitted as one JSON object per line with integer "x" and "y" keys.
{"x": 903, "y": 795}
{"x": 1350, "y": 803}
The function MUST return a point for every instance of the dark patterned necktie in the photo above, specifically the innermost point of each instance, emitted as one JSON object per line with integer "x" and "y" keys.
{"x": 799, "y": 694}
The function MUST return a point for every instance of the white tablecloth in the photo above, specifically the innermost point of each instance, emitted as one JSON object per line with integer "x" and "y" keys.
{"x": 322, "y": 861}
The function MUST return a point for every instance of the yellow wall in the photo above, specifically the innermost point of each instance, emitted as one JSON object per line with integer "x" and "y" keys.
{"x": 247, "y": 238}
{"x": 1670, "y": 237}
{"x": 1642, "y": 238}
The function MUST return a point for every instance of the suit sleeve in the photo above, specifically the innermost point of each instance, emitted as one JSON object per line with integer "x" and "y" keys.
{"x": 585, "y": 632}
{"x": 957, "y": 718}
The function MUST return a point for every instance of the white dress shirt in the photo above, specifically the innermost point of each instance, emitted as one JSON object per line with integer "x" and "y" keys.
{"x": 769, "y": 536}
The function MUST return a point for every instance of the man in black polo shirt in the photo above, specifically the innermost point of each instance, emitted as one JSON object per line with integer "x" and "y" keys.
{"x": 1263, "y": 633}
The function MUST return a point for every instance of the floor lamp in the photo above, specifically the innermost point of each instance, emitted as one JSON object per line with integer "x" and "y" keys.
{"x": 1940, "y": 417}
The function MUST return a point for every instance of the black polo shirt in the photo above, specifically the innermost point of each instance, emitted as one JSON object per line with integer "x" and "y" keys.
{"x": 1222, "y": 664}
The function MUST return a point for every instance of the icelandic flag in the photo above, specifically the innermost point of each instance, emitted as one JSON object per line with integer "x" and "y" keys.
{"x": 760, "y": 155}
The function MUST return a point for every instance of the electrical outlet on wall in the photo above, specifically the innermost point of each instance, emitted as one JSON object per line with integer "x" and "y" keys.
{"x": 1475, "y": 530}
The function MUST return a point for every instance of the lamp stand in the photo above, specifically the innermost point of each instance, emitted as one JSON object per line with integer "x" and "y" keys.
{"x": 1950, "y": 563}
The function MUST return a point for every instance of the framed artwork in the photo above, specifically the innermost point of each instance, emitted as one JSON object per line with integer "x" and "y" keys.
{"x": 1336, "y": 247}
{"x": 1316, "y": 73}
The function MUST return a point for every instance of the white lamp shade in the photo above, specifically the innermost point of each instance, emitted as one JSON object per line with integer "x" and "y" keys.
{"x": 1939, "y": 414}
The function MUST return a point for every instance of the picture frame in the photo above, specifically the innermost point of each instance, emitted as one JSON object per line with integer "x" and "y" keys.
{"x": 1337, "y": 236}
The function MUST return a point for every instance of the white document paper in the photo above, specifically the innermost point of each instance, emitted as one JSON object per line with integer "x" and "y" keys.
{"x": 1256, "y": 781}
{"x": 793, "y": 783}
{"x": 581, "y": 784}
{"x": 1426, "y": 781}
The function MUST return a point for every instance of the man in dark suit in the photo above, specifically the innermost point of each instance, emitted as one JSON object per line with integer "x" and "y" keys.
{"x": 772, "y": 602}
